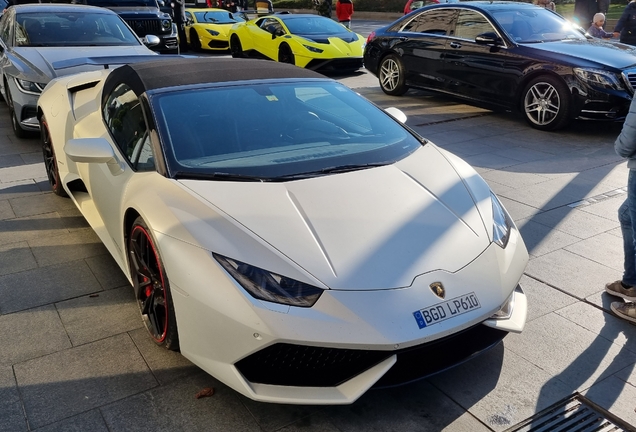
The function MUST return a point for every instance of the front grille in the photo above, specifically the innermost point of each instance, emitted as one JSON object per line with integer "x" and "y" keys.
{"x": 144, "y": 27}
{"x": 306, "y": 366}
{"x": 219, "y": 44}
{"x": 630, "y": 79}
{"x": 343, "y": 64}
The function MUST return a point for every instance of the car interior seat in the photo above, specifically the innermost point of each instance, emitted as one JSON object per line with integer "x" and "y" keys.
{"x": 33, "y": 30}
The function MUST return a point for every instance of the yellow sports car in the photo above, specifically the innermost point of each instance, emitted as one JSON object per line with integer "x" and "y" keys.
{"x": 209, "y": 28}
{"x": 309, "y": 41}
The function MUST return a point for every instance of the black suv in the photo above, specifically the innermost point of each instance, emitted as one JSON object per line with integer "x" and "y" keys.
{"x": 145, "y": 18}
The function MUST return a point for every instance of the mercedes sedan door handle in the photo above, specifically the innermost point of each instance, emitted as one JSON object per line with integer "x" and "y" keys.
{"x": 455, "y": 45}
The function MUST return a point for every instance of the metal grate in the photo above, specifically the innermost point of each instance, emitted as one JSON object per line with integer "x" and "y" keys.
{"x": 573, "y": 414}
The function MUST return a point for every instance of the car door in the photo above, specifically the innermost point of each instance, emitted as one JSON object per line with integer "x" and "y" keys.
{"x": 6, "y": 42}
{"x": 130, "y": 139}
{"x": 422, "y": 41}
{"x": 475, "y": 70}
{"x": 263, "y": 37}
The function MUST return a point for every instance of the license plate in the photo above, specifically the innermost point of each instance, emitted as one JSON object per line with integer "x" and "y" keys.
{"x": 445, "y": 310}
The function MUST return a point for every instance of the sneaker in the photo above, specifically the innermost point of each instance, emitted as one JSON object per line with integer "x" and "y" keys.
{"x": 625, "y": 310}
{"x": 618, "y": 290}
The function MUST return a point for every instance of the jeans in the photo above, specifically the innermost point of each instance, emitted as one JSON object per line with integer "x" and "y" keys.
{"x": 627, "y": 219}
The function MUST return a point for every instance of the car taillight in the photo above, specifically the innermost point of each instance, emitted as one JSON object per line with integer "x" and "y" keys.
{"x": 371, "y": 37}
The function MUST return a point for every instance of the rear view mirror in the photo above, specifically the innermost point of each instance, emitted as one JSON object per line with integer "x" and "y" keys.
{"x": 150, "y": 40}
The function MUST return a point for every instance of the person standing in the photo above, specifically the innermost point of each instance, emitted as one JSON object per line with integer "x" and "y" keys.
{"x": 626, "y": 25}
{"x": 603, "y": 6}
{"x": 596, "y": 29}
{"x": 625, "y": 146}
{"x": 584, "y": 10}
{"x": 547, "y": 4}
{"x": 178, "y": 7}
{"x": 344, "y": 10}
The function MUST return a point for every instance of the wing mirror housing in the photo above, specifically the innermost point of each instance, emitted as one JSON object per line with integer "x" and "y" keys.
{"x": 150, "y": 40}
{"x": 397, "y": 114}
{"x": 488, "y": 38}
{"x": 93, "y": 151}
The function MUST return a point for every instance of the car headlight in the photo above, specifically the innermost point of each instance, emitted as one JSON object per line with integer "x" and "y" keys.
{"x": 213, "y": 32}
{"x": 30, "y": 86}
{"x": 506, "y": 309}
{"x": 502, "y": 224}
{"x": 313, "y": 49}
{"x": 599, "y": 78}
{"x": 166, "y": 24}
{"x": 268, "y": 286}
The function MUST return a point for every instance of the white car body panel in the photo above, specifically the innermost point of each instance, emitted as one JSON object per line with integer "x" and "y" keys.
{"x": 370, "y": 238}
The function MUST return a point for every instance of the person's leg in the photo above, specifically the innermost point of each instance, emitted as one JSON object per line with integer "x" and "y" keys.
{"x": 627, "y": 216}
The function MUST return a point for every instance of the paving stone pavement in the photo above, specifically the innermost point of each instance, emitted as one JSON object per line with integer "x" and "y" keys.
{"x": 74, "y": 356}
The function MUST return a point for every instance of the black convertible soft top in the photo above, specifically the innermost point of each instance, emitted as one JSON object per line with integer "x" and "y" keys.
{"x": 179, "y": 71}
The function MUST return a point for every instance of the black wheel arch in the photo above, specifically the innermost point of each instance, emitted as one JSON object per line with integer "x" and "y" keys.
{"x": 518, "y": 101}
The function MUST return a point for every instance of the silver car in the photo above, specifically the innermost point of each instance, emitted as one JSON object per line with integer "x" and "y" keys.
{"x": 39, "y": 42}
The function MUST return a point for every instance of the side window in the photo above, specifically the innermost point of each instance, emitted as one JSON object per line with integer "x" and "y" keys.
{"x": 5, "y": 29}
{"x": 124, "y": 117}
{"x": 470, "y": 24}
{"x": 436, "y": 21}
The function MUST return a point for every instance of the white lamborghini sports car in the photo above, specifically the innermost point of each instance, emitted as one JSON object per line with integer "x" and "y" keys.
{"x": 289, "y": 237}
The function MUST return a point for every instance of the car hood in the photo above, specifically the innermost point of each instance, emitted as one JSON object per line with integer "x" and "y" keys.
{"x": 347, "y": 37}
{"x": 377, "y": 228}
{"x": 612, "y": 54}
{"x": 38, "y": 61}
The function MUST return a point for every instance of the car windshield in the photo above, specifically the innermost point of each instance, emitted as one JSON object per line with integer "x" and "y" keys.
{"x": 217, "y": 17}
{"x": 47, "y": 29}
{"x": 122, "y": 3}
{"x": 276, "y": 131}
{"x": 533, "y": 25}
{"x": 311, "y": 25}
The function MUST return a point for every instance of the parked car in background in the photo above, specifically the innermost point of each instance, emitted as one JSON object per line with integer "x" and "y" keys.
{"x": 309, "y": 41}
{"x": 209, "y": 28}
{"x": 509, "y": 55}
{"x": 145, "y": 18}
{"x": 39, "y": 42}
{"x": 300, "y": 257}
{"x": 412, "y": 5}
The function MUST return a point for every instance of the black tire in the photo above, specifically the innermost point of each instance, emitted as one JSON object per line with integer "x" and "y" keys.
{"x": 545, "y": 103}
{"x": 195, "y": 43}
{"x": 391, "y": 76}
{"x": 285, "y": 54}
{"x": 152, "y": 288}
{"x": 50, "y": 160}
{"x": 235, "y": 47}
{"x": 15, "y": 124}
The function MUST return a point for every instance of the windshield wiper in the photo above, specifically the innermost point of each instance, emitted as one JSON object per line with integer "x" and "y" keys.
{"x": 332, "y": 170}
{"x": 222, "y": 176}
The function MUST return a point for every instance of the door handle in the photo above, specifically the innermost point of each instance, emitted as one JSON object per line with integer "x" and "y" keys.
{"x": 455, "y": 45}
{"x": 403, "y": 38}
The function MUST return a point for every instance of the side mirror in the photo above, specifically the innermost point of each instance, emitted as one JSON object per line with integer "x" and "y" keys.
{"x": 161, "y": 3}
{"x": 397, "y": 114}
{"x": 488, "y": 38}
{"x": 95, "y": 151}
{"x": 89, "y": 150}
{"x": 151, "y": 40}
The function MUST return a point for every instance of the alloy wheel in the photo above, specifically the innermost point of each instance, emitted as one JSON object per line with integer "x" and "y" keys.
{"x": 148, "y": 276}
{"x": 542, "y": 103}
{"x": 389, "y": 74}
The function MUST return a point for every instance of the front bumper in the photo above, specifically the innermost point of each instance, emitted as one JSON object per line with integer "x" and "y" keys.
{"x": 591, "y": 103}
{"x": 243, "y": 341}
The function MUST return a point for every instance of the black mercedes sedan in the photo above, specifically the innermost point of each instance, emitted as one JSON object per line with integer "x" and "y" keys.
{"x": 508, "y": 55}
